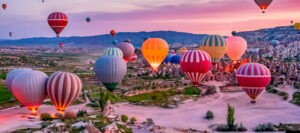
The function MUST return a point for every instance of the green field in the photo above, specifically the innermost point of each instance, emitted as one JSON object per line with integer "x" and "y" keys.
{"x": 5, "y": 95}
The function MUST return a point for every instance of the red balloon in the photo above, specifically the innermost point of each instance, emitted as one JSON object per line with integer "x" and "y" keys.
{"x": 195, "y": 64}
{"x": 253, "y": 78}
{"x": 112, "y": 33}
{"x": 61, "y": 45}
{"x": 57, "y": 21}
{"x": 263, "y": 4}
{"x": 4, "y": 6}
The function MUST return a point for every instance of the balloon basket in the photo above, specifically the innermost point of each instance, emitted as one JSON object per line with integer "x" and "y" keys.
{"x": 253, "y": 102}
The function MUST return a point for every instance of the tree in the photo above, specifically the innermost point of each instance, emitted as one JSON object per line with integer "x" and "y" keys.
{"x": 104, "y": 96}
{"x": 132, "y": 120}
{"x": 209, "y": 115}
{"x": 230, "y": 116}
{"x": 124, "y": 118}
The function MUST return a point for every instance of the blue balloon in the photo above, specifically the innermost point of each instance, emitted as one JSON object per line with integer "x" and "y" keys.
{"x": 115, "y": 42}
{"x": 275, "y": 43}
{"x": 168, "y": 58}
{"x": 175, "y": 59}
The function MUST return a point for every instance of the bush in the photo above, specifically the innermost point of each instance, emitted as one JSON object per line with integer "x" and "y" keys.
{"x": 124, "y": 118}
{"x": 265, "y": 127}
{"x": 69, "y": 115}
{"x": 81, "y": 113}
{"x": 191, "y": 91}
{"x": 132, "y": 120}
{"x": 150, "y": 121}
{"x": 59, "y": 115}
{"x": 230, "y": 116}
{"x": 296, "y": 96}
{"x": 211, "y": 90}
{"x": 45, "y": 117}
{"x": 209, "y": 115}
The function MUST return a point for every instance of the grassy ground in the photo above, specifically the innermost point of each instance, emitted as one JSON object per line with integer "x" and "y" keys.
{"x": 5, "y": 95}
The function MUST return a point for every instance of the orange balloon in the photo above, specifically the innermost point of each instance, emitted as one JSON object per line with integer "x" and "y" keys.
{"x": 236, "y": 47}
{"x": 155, "y": 50}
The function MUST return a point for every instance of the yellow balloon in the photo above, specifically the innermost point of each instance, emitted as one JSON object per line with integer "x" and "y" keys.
{"x": 297, "y": 26}
{"x": 182, "y": 50}
{"x": 215, "y": 46}
{"x": 155, "y": 50}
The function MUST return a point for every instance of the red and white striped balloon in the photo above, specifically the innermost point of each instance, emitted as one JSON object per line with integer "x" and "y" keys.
{"x": 253, "y": 78}
{"x": 57, "y": 21}
{"x": 195, "y": 64}
{"x": 63, "y": 89}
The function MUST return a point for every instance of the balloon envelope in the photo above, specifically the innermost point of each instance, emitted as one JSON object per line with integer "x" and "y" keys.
{"x": 253, "y": 78}
{"x": 10, "y": 34}
{"x": 195, "y": 64}
{"x": 297, "y": 26}
{"x": 168, "y": 59}
{"x": 12, "y": 74}
{"x": 61, "y": 45}
{"x": 115, "y": 42}
{"x": 275, "y": 43}
{"x": 234, "y": 33}
{"x": 88, "y": 19}
{"x": 30, "y": 89}
{"x": 112, "y": 33}
{"x": 215, "y": 46}
{"x": 134, "y": 58}
{"x": 263, "y": 4}
{"x": 57, "y": 21}
{"x": 114, "y": 52}
{"x": 63, "y": 89}
{"x": 110, "y": 70}
{"x": 155, "y": 51}
{"x": 175, "y": 59}
{"x": 127, "y": 49}
{"x": 182, "y": 50}
{"x": 236, "y": 47}
{"x": 4, "y": 6}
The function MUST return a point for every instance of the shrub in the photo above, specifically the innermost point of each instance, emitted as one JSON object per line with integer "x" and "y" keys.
{"x": 241, "y": 128}
{"x": 81, "y": 113}
{"x": 132, "y": 120}
{"x": 124, "y": 118}
{"x": 209, "y": 115}
{"x": 296, "y": 96}
{"x": 211, "y": 90}
{"x": 230, "y": 116}
{"x": 273, "y": 91}
{"x": 191, "y": 91}
{"x": 45, "y": 117}
{"x": 265, "y": 127}
{"x": 69, "y": 115}
{"x": 150, "y": 121}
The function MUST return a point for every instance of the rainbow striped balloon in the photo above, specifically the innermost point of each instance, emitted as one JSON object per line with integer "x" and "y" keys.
{"x": 114, "y": 52}
{"x": 215, "y": 46}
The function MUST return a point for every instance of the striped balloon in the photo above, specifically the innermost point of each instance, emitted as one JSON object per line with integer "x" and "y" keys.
{"x": 12, "y": 74}
{"x": 63, "y": 89}
{"x": 155, "y": 50}
{"x": 113, "y": 51}
{"x": 57, "y": 21}
{"x": 127, "y": 49}
{"x": 30, "y": 89}
{"x": 195, "y": 64}
{"x": 253, "y": 78}
{"x": 175, "y": 59}
{"x": 110, "y": 70}
{"x": 215, "y": 46}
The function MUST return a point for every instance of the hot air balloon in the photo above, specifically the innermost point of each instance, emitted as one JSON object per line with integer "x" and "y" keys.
{"x": 236, "y": 47}
{"x": 215, "y": 46}
{"x": 88, "y": 19}
{"x": 110, "y": 70}
{"x": 234, "y": 33}
{"x": 297, "y": 26}
{"x": 292, "y": 22}
{"x": 195, "y": 64}
{"x": 127, "y": 49}
{"x": 175, "y": 59}
{"x": 171, "y": 51}
{"x": 63, "y": 89}
{"x": 57, "y": 21}
{"x": 275, "y": 43}
{"x": 182, "y": 50}
{"x": 253, "y": 78}
{"x": 10, "y": 34}
{"x": 168, "y": 58}
{"x": 112, "y": 33}
{"x": 29, "y": 88}
{"x": 263, "y": 4}
{"x": 12, "y": 74}
{"x": 115, "y": 42}
{"x": 155, "y": 51}
{"x": 114, "y": 52}
{"x": 4, "y": 6}
{"x": 128, "y": 40}
{"x": 61, "y": 45}
{"x": 134, "y": 58}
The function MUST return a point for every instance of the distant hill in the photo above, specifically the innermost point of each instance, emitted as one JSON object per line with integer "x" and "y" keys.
{"x": 136, "y": 38}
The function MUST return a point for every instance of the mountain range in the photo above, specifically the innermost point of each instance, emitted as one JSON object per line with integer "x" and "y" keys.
{"x": 172, "y": 37}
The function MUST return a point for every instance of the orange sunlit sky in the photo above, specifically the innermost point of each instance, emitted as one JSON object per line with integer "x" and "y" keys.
{"x": 28, "y": 18}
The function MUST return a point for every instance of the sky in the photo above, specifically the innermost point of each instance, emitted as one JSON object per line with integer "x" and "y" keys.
{"x": 28, "y": 18}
